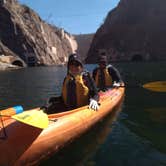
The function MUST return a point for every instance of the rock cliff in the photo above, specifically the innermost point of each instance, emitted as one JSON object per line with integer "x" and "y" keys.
{"x": 134, "y": 30}
{"x": 24, "y": 34}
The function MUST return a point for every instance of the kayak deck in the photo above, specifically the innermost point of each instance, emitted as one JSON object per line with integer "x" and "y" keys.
{"x": 31, "y": 145}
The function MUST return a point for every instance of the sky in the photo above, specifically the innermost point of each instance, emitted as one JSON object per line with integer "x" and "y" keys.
{"x": 74, "y": 16}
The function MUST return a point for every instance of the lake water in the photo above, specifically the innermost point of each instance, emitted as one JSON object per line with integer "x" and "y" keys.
{"x": 135, "y": 133}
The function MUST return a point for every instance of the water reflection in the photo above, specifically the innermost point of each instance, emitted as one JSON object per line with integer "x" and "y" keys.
{"x": 157, "y": 114}
{"x": 153, "y": 132}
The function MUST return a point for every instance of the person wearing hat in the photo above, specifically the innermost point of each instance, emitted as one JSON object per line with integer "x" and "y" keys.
{"x": 79, "y": 88}
{"x": 106, "y": 76}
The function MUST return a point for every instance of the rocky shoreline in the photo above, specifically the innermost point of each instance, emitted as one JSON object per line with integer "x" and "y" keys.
{"x": 25, "y": 35}
{"x": 6, "y": 66}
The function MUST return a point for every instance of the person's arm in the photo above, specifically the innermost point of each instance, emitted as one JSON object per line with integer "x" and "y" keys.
{"x": 94, "y": 73}
{"x": 93, "y": 94}
{"x": 89, "y": 82}
{"x": 116, "y": 77}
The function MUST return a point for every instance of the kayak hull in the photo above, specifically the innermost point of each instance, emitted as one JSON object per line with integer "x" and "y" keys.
{"x": 27, "y": 145}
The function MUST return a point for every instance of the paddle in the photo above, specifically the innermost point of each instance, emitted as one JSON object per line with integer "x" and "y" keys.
{"x": 34, "y": 118}
{"x": 157, "y": 86}
{"x": 7, "y": 113}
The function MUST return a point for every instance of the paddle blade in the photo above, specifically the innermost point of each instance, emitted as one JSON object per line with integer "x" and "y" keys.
{"x": 34, "y": 118}
{"x": 158, "y": 86}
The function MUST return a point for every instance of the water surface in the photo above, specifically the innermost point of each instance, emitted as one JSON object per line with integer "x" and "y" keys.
{"x": 135, "y": 134}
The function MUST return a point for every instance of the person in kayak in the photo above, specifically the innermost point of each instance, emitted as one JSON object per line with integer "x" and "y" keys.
{"x": 105, "y": 75}
{"x": 78, "y": 88}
